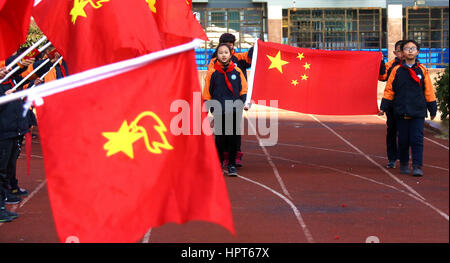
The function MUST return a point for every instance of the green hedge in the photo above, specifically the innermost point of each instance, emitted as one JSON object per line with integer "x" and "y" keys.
{"x": 442, "y": 93}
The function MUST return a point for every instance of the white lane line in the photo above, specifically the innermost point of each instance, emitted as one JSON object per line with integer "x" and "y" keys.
{"x": 146, "y": 238}
{"x": 435, "y": 142}
{"x": 339, "y": 151}
{"x": 426, "y": 138}
{"x": 370, "y": 159}
{"x": 269, "y": 160}
{"x": 24, "y": 201}
{"x": 297, "y": 213}
{"x": 441, "y": 213}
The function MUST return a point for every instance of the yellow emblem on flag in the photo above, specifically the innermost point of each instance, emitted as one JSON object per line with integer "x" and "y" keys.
{"x": 277, "y": 62}
{"x": 78, "y": 8}
{"x": 151, "y": 5}
{"x": 127, "y": 135}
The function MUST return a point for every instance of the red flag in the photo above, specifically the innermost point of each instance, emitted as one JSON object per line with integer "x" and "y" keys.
{"x": 14, "y": 22}
{"x": 93, "y": 33}
{"x": 317, "y": 81}
{"x": 113, "y": 167}
{"x": 175, "y": 18}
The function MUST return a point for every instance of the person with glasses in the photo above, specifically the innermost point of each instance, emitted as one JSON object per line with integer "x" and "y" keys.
{"x": 391, "y": 129}
{"x": 409, "y": 92}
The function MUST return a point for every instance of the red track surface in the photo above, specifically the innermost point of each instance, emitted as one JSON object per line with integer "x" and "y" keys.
{"x": 323, "y": 182}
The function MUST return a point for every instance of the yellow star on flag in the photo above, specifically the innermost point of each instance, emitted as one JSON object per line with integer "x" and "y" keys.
{"x": 300, "y": 56}
{"x": 277, "y": 62}
{"x": 121, "y": 141}
{"x": 304, "y": 77}
{"x": 307, "y": 66}
{"x": 294, "y": 82}
{"x": 78, "y": 9}
{"x": 151, "y": 5}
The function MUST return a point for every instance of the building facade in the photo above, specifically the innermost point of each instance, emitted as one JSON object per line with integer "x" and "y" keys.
{"x": 329, "y": 24}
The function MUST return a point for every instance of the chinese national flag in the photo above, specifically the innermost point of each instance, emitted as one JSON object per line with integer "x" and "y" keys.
{"x": 175, "y": 18}
{"x": 15, "y": 18}
{"x": 317, "y": 81}
{"x": 93, "y": 33}
{"x": 113, "y": 167}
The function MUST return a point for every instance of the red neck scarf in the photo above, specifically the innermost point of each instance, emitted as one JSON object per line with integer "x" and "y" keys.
{"x": 412, "y": 73}
{"x": 231, "y": 66}
{"x": 63, "y": 70}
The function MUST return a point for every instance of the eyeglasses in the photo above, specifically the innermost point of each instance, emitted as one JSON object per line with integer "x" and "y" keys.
{"x": 410, "y": 49}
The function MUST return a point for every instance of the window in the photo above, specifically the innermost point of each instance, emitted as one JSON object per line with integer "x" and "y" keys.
{"x": 429, "y": 27}
{"x": 343, "y": 29}
{"x": 246, "y": 24}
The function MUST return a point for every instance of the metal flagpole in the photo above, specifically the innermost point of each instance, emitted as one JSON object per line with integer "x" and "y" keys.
{"x": 10, "y": 65}
{"x": 24, "y": 54}
{"x": 96, "y": 74}
{"x": 31, "y": 74}
{"x": 251, "y": 78}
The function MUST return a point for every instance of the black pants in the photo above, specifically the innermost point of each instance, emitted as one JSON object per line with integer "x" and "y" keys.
{"x": 8, "y": 159}
{"x": 410, "y": 134}
{"x": 227, "y": 134}
{"x": 391, "y": 137}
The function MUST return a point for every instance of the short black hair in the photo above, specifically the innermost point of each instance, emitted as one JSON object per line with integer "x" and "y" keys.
{"x": 227, "y": 38}
{"x": 409, "y": 41}
{"x": 398, "y": 43}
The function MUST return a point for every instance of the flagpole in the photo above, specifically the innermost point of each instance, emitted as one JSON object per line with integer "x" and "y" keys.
{"x": 9, "y": 66}
{"x": 53, "y": 66}
{"x": 31, "y": 74}
{"x": 251, "y": 78}
{"x": 28, "y": 103}
{"x": 24, "y": 54}
{"x": 96, "y": 74}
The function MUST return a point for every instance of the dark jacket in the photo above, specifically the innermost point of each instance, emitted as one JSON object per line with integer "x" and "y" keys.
{"x": 12, "y": 124}
{"x": 215, "y": 87}
{"x": 409, "y": 97}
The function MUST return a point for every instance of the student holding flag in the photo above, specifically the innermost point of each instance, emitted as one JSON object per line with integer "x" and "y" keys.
{"x": 243, "y": 61}
{"x": 391, "y": 131}
{"x": 226, "y": 83}
{"x": 12, "y": 128}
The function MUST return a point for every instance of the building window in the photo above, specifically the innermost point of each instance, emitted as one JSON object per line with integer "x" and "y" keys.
{"x": 246, "y": 24}
{"x": 429, "y": 27}
{"x": 336, "y": 29}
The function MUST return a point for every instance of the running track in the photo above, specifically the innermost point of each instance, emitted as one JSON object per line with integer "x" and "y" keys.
{"x": 324, "y": 182}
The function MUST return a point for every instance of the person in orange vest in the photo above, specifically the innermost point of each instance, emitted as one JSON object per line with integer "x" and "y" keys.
{"x": 391, "y": 124}
{"x": 226, "y": 83}
{"x": 243, "y": 61}
{"x": 410, "y": 94}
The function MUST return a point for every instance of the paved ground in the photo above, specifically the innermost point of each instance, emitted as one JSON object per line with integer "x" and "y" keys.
{"x": 324, "y": 182}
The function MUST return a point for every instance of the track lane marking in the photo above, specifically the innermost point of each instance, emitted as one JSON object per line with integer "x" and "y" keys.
{"x": 441, "y": 213}
{"x": 269, "y": 160}
{"x": 368, "y": 158}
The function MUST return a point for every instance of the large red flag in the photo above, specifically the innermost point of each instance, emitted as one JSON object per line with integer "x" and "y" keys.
{"x": 15, "y": 18}
{"x": 114, "y": 168}
{"x": 91, "y": 33}
{"x": 175, "y": 18}
{"x": 317, "y": 81}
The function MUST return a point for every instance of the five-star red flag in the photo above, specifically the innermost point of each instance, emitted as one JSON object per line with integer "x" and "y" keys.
{"x": 177, "y": 22}
{"x": 114, "y": 169}
{"x": 93, "y": 33}
{"x": 317, "y": 81}
{"x": 15, "y": 18}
